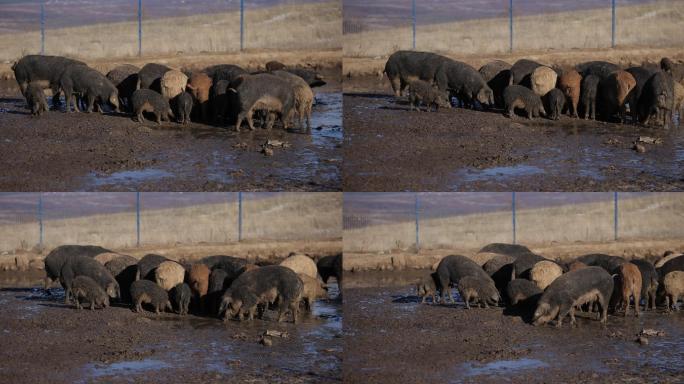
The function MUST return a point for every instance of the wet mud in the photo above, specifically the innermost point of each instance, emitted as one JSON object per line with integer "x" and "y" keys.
{"x": 389, "y": 337}
{"x": 113, "y": 152}
{"x": 390, "y": 148}
{"x": 44, "y": 340}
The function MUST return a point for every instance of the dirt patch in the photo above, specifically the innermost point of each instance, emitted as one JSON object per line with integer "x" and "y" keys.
{"x": 389, "y": 148}
{"x": 112, "y": 152}
{"x": 118, "y": 345}
{"x": 389, "y": 337}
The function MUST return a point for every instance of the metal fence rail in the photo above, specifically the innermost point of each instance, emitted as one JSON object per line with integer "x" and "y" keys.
{"x": 414, "y": 221}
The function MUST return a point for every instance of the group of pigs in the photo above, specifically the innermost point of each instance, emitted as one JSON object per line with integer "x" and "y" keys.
{"x": 520, "y": 279}
{"x": 222, "y": 94}
{"x": 220, "y": 286}
{"x": 597, "y": 86}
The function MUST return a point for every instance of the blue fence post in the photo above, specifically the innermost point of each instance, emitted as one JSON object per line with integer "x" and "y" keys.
{"x": 413, "y": 17}
{"x": 510, "y": 25}
{"x": 513, "y": 216}
{"x": 139, "y": 28}
{"x": 42, "y": 28}
{"x": 417, "y": 214}
{"x": 239, "y": 216}
{"x": 612, "y": 34}
{"x": 242, "y": 25}
{"x": 40, "y": 219}
{"x": 137, "y": 218}
{"x": 615, "y": 213}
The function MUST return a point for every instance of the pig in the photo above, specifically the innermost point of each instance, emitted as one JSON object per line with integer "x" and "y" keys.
{"x": 150, "y": 75}
{"x": 676, "y": 70}
{"x": 93, "y": 86}
{"x": 669, "y": 255}
{"x": 521, "y": 72}
{"x": 311, "y": 77}
{"x": 228, "y": 72}
{"x": 473, "y": 288}
{"x": 274, "y": 66}
{"x": 56, "y": 259}
{"x": 609, "y": 263}
{"x": 500, "y": 268}
{"x": 44, "y": 70}
{"x": 148, "y": 264}
{"x": 169, "y": 274}
{"x": 234, "y": 266}
{"x": 184, "y": 105}
{"x": 513, "y": 250}
{"x": 147, "y": 292}
{"x": 571, "y": 290}
{"x": 422, "y": 92}
{"x": 198, "y": 278}
{"x": 219, "y": 101}
{"x": 330, "y": 266}
{"x": 649, "y": 282}
{"x": 86, "y": 266}
{"x": 601, "y": 69}
{"x": 524, "y": 263}
{"x": 180, "y": 297}
{"x": 588, "y": 95}
{"x": 405, "y": 66}
{"x": 657, "y": 98}
{"x": 303, "y": 96}
{"x": 523, "y": 292}
{"x": 673, "y": 284}
{"x": 119, "y": 263}
{"x": 614, "y": 92}
{"x": 172, "y": 83}
{"x": 260, "y": 286}
{"x": 544, "y": 273}
{"x": 464, "y": 82}
{"x": 313, "y": 289}
{"x": 125, "y": 272}
{"x": 301, "y": 264}
{"x": 199, "y": 86}
{"x": 35, "y": 98}
{"x": 83, "y": 287}
{"x": 569, "y": 83}
{"x": 555, "y": 102}
{"x": 641, "y": 75}
{"x": 426, "y": 287}
{"x": 575, "y": 265}
{"x": 629, "y": 278}
{"x": 146, "y": 100}
{"x": 497, "y": 74}
{"x": 517, "y": 96}
{"x": 262, "y": 92}
{"x": 453, "y": 268}
{"x": 542, "y": 80}
{"x": 219, "y": 281}
{"x": 125, "y": 79}
{"x": 675, "y": 264}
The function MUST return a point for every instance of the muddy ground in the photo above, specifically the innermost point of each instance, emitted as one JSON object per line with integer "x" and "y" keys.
{"x": 43, "y": 340}
{"x": 389, "y": 148}
{"x": 93, "y": 152}
{"x": 390, "y": 338}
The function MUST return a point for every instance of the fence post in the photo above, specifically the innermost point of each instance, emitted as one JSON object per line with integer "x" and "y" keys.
{"x": 242, "y": 25}
{"x": 413, "y": 18}
{"x": 615, "y": 214}
{"x": 137, "y": 218}
{"x": 42, "y": 27}
{"x": 139, "y": 28}
{"x": 239, "y": 216}
{"x": 417, "y": 214}
{"x": 40, "y": 219}
{"x": 513, "y": 216}
{"x": 510, "y": 25}
{"x": 612, "y": 32}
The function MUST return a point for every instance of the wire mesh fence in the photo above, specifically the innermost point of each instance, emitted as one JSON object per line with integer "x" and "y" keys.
{"x": 381, "y": 27}
{"x": 124, "y": 28}
{"x": 383, "y": 222}
{"x": 123, "y": 219}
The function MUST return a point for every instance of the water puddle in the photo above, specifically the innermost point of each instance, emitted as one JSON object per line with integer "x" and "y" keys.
{"x": 126, "y": 368}
{"x": 128, "y": 178}
{"x": 500, "y": 367}
{"x": 470, "y": 175}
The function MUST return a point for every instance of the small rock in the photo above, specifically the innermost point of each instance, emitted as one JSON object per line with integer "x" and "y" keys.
{"x": 642, "y": 340}
{"x": 639, "y": 148}
{"x": 650, "y": 140}
{"x": 651, "y": 332}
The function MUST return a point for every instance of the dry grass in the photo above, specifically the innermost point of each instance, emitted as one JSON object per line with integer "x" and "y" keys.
{"x": 651, "y": 217}
{"x": 649, "y": 25}
{"x": 308, "y": 27}
{"x": 285, "y": 217}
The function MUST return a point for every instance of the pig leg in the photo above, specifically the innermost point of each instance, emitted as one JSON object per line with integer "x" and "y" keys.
{"x": 92, "y": 305}
{"x": 157, "y": 116}
{"x": 270, "y": 120}
{"x": 573, "y": 322}
{"x": 250, "y": 119}
{"x": 604, "y": 308}
{"x": 294, "y": 308}
{"x": 423, "y": 301}
{"x": 667, "y": 303}
{"x": 91, "y": 103}
{"x": 396, "y": 86}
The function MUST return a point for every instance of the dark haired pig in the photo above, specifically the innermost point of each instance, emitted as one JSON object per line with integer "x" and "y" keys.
{"x": 83, "y": 287}
{"x": 263, "y": 91}
{"x": 473, "y": 288}
{"x": 425, "y": 287}
{"x": 588, "y": 95}
{"x": 149, "y": 76}
{"x": 464, "y": 82}
{"x": 91, "y": 85}
{"x": 146, "y": 100}
{"x": 517, "y": 96}
{"x": 148, "y": 292}
{"x": 402, "y": 67}
{"x": 125, "y": 79}
{"x": 183, "y": 107}
{"x": 657, "y": 98}
{"x": 555, "y": 101}
{"x": 43, "y": 70}
{"x": 148, "y": 264}
{"x": 521, "y": 72}
{"x": 422, "y": 92}
{"x": 56, "y": 259}
{"x": 86, "y": 266}
{"x": 180, "y": 296}
{"x": 522, "y": 291}
{"x": 451, "y": 269}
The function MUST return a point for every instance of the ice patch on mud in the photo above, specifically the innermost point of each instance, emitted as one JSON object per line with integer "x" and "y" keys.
{"x": 128, "y": 177}
{"x": 127, "y": 367}
{"x": 499, "y": 172}
{"x": 501, "y": 367}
